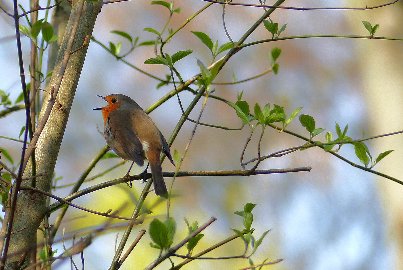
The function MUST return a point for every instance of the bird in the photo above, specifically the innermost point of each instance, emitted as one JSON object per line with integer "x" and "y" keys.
{"x": 132, "y": 135}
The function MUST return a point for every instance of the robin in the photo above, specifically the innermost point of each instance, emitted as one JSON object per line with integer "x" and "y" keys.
{"x": 132, "y": 135}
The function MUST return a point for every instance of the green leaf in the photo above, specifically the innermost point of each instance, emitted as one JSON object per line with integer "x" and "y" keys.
{"x": 293, "y": 115}
{"x": 308, "y": 122}
{"x": 383, "y": 155}
{"x": 338, "y": 131}
{"x": 329, "y": 136}
{"x": 226, "y": 46}
{"x": 259, "y": 241}
{"x": 247, "y": 220}
{"x": 194, "y": 241}
{"x": 275, "y": 68}
{"x": 345, "y": 131}
{"x": 248, "y": 207}
{"x": 191, "y": 244}
{"x": 171, "y": 229}
{"x": 123, "y": 34}
{"x": 206, "y": 74}
{"x": 110, "y": 155}
{"x": 19, "y": 98}
{"x": 36, "y": 28}
{"x": 277, "y": 114}
{"x": 238, "y": 232}
{"x": 4, "y": 98}
{"x": 47, "y": 31}
{"x": 205, "y": 39}
{"x": 367, "y": 26}
{"x": 283, "y": 27}
{"x": 5, "y": 153}
{"x": 159, "y": 60}
{"x": 179, "y": 55}
{"x": 21, "y": 132}
{"x": 272, "y": 27}
{"x": 148, "y": 43}
{"x": 375, "y": 28}
{"x": 361, "y": 151}
{"x": 158, "y": 233}
{"x": 258, "y": 114}
{"x": 242, "y": 110}
{"x": 115, "y": 48}
{"x": 275, "y": 53}
{"x": 162, "y": 3}
{"x": 152, "y": 30}
{"x": 176, "y": 156}
{"x": 317, "y": 131}
{"x": 25, "y": 30}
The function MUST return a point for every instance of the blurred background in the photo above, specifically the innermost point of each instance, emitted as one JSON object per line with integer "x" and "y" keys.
{"x": 335, "y": 217}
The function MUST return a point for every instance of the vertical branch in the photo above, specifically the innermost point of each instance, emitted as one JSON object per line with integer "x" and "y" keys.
{"x": 31, "y": 207}
{"x": 14, "y": 190}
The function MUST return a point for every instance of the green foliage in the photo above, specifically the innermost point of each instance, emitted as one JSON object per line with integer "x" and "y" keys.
{"x": 362, "y": 152}
{"x": 214, "y": 48}
{"x": 40, "y": 26}
{"x": 162, "y": 233}
{"x": 191, "y": 244}
{"x": 180, "y": 55}
{"x": 168, "y": 60}
{"x": 370, "y": 28}
{"x": 263, "y": 116}
{"x": 4, "y": 98}
{"x": 272, "y": 27}
{"x": 308, "y": 122}
{"x": 168, "y": 5}
{"x": 21, "y": 131}
{"x": 115, "y": 48}
{"x": 247, "y": 216}
{"x": 274, "y": 55}
{"x": 176, "y": 156}
{"x": 6, "y": 154}
{"x": 109, "y": 155}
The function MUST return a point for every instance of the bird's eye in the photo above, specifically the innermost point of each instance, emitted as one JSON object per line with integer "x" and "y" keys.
{"x": 114, "y": 100}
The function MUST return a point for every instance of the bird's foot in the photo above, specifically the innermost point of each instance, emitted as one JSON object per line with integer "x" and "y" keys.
{"x": 128, "y": 181}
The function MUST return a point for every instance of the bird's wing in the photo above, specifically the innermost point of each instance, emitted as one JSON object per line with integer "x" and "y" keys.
{"x": 125, "y": 142}
{"x": 165, "y": 149}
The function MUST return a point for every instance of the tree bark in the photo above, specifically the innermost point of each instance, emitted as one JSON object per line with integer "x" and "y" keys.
{"x": 31, "y": 207}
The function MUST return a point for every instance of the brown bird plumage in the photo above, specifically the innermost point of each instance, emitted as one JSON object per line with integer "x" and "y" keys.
{"x": 132, "y": 135}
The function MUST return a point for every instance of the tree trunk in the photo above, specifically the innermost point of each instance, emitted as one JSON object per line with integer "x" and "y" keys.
{"x": 31, "y": 206}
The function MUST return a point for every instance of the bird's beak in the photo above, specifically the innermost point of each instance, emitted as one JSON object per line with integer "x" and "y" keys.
{"x": 98, "y": 109}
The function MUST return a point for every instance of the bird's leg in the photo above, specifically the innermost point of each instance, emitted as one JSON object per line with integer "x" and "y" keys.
{"x": 129, "y": 183}
{"x": 144, "y": 173}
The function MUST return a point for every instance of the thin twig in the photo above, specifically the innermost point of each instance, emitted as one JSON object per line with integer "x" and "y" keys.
{"x": 322, "y": 145}
{"x": 245, "y": 146}
{"x": 76, "y": 187}
{"x": 61, "y": 200}
{"x": 132, "y": 246}
{"x": 300, "y": 8}
{"x": 318, "y": 36}
{"x": 219, "y": 244}
{"x": 245, "y": 80}
{"x": 8, "y": 169}
{"x": 262, "y": 264}
{"x": 141, "y": 177}
{"x": 15, "y": 189}
{"x": 37, "y": 9}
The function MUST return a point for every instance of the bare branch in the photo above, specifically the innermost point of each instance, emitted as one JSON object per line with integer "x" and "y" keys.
{"x": 300, "y": 8}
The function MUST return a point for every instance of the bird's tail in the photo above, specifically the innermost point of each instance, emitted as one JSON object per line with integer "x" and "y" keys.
{"x": 156, "y": 170}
